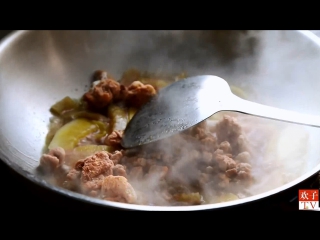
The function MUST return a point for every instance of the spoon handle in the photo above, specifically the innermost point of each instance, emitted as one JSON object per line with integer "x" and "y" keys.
{"x": 244, "y": 106}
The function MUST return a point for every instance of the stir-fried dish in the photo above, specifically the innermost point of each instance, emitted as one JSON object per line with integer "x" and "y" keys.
{"x": 211, "y": 162}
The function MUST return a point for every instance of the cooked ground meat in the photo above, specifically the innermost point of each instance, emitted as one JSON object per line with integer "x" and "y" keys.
{"x": 96, "y": 165}
{"x": 119, "y": 170}
{"x": 107, "y": 91}
{"x": 114, "y": 139}
{"x": 229, "y": 130}
{"x": 115, "y": 156}
{"x": 139, "y": 94}
{"x": 53, "y": 160}
{"x": 90, "y": 173}
{"x": 93, "y": 170}
{"x": 225, "y": 162}
{"x": 48, "y": 163}
{"x": 73, "y": 174}
{"x": 200, "y": 160}
{"x": 104, "y": 93}
{"x": 117, "y": 188}
{"x": 179, "y": 170}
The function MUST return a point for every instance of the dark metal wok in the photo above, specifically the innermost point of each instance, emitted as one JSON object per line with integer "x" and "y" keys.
{"x": 37, "y": 68}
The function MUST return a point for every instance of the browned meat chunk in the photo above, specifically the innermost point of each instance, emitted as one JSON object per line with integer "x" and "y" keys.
{"x": 117, "y": 188}
{"x": 93, "y": 187}
{"x": 72, "y": 180}
{"x": 73, "y": 174}
{"x": 79, "y": 164}
{"x": 51, "y": 161}
{"x": 244, "y": 175}
{"x": 96, "y": 165}
{"x": 225, "y": 162}
{"x": 228, "y": 129}
{"x": 94, "y": 169}
{"x": 219, "y": 153}
{"x": 231, "y": 173}
{"x": 48, "y": 163}
{"x": 225, "y": 146}
{"x": 200, "y": 131}
{"x": 244, "y": 167}
{"x": 115, "y": 157}
{"x": 209, "y": 142}
{"x": 89, "y": 173}
{"x": 114, "y": 139}
{"x": 104, "y": 93}
{"x": 244, "y": 170}
{"x": 119, "y": 170}
{"x": 139, "y": 94}
{"x": 59, "y": 153}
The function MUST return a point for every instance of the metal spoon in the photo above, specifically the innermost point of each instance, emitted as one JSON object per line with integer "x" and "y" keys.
{"x": 188, "y": 102}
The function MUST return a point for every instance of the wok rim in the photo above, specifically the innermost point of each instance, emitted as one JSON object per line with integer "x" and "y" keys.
{"x": 124, "y": 206}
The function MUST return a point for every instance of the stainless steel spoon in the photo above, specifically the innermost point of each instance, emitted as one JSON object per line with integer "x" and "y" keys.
{"x": 188, "y": 102}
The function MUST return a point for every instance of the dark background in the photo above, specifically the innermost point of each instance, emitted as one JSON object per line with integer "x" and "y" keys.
{"x": 23, "y": 197}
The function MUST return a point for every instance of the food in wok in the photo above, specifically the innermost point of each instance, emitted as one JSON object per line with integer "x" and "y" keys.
{"x": 218, "y": 160}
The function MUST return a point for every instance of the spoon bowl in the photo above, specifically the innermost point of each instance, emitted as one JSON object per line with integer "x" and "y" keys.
{"x": 188, "y": 102}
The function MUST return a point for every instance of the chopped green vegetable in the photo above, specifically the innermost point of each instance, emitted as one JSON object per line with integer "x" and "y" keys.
{"x": 55, "y": 124}
{"x": 238, "y": 92}
{"x": 90, "y": 149}
{"x": 181, "y": 76}
{"x": 132, "y": 112}
{"x": 190, "y": 198}
{"x": 84, "y": 151}
{"x": 103, "y": 129}
{"x": 66, "y": 104}
{"x": 71, "y": 115}
{"x": 227, "y": 197}
{"x": 119, "y": 117}
{"x": 157, "y": 83}
{"x": 69, "y": 136}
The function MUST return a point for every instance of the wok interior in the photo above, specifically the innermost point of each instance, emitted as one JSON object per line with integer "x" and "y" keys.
{"x": 38, "y": 68}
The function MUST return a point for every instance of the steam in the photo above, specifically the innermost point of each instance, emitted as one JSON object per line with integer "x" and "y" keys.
{"x": 279, "y": 151}
{"x": 244, "y": 59}
{"x": 250, "y": 60}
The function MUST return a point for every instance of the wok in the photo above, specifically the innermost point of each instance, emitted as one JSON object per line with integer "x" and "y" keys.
{"x": 38, "y": 68}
